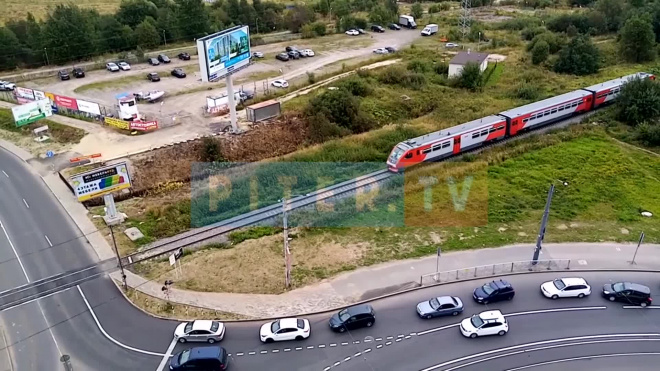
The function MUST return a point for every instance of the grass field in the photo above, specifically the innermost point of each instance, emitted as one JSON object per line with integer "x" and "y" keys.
{"x": 59, "y": 133}
{"x": 18, "y": 9}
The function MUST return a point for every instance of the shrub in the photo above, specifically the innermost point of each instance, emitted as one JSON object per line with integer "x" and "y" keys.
{"x": 540, "y": 52}
{"x": 321, "y": 129}
{"x": 435, "y": 8}
{"x": 441, "y": 68}
{"x": 531, "y": 32}
{"x": 526, "y": 91}
{"x": 554, "y": 41}
{"x": 342, "y": 108}
{"x": 445, "y": 5}
{"x": 414, "y": 80}
{"x": 307, "y": 31}
{"x": 579, "y": 57}
{"x": 471, "y": 77}
{"x": 639, "y": 101}
{"x": 392, "y": 75}
{"x": 649, "y": 133}
{"x": 311, "y": 78}
{"x": 319, "y": 28}
{"x": 418, "y": 65}
{"x": 211, "y": 150}
{"x": 357, "y": 86}
{"x": 256, "y": 40}
{"x": 517, "y": 24}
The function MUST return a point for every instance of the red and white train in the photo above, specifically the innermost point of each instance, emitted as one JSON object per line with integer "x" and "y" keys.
{"x": 455, "y": 140}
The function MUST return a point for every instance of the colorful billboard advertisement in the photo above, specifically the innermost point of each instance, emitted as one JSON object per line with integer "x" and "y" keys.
{"x": 88, "y": 107}
{"x": 65, "y": 102}
{"x": 24, "y": 93}
{"x": 101, "y": 181}
{"x": 39, "y": 95}
{"x": 120, "y": 124}
{"x": 223, "y": 52}
{"x": 31, "y": 112}
{"x": 144, "y": 125}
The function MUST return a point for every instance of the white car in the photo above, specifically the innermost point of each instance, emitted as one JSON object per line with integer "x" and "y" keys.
{"x": 307, "y": 52}
{"x": 566, "y": 288}
{"x": 285, "y": 329}
{"x": 7, "y": 86}
{"x": 352, "y": 32}
{"x": 112, "y": 67}
{"x": 381, "y": 51}
{"x": 200, "y": 330}
{"x": 280, "y": 83}
{"x": 491, "y": 322}
{"x": 124, "y": 66}
{"x": 451, "y": 45}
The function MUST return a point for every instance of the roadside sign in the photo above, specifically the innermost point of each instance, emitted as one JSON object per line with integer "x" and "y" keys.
{"x": 50, "y": 154}
{"x": 31, "y": 112}
{"x": 101, "y": 181}
{"x": 172, "y": 259}
{"x": 439, "y": 251}
{"x": 78, "y": 159}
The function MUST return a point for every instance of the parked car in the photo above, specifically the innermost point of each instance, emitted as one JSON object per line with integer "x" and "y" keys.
{"x": 628, "y": 292}
{"x": 352, "y": 32}
{"x": 566, "y": 288}
{"x": 124, "y": 66}
{"x": 200, "y": 358}
{"x": 440, "y": 306}
{"x": 112, "y": 67}
{"x": 258, "y": 54}
{"x": 7, "y": 86}
{"x": 153, "y": 61}
{"x": 178, "y": 72}
{"x": 361, "y": 31}
{"x": 394, "y": 26}
{"x": 153, "y": 77}
{"x": 294, "y": 54}
{"x": 390, "y": 49}
{"x": 485, "y": 323}
{"x": 290, "y": 48}
{"x": 184, "y": 56}
{"x": 307, "y": 53}
{"x": 285, "y": 329}
{"x": 354, "y": 317}
{"x": 245, "y": 95}
{"x": 493, "y": 291}
{"x": 200, "y": 330}
{"x": 381, "y": 51}
{"x": 63, "y": 75}
{"x": 78, "y": 72}
{"x": 163, "y": 58}
{"x": 283, "y": 57}
{"x": 281, "y": 83}
{"x": 377, "y": 28}
{"x": 451, "y": 45}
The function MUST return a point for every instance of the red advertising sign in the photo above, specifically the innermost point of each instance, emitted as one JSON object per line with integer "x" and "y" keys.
{"x": 65, "y": 102}
{"x": 144, "y": 125}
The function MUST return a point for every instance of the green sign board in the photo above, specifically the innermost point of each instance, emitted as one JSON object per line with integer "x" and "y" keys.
{"x": 34, "y": 111}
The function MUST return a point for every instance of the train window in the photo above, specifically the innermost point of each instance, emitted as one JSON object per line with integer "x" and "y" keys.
{"x": 426, "y": 150}
{"x": 409, "y": 155}
{"x": 575, "y": 104}
{"x": 475, "y": 135}
{"x": 446, "y": 144}
{"x": 492, "y": 130}
{"x": 484, "y": 132}
{"x": 437, "y": 147}
{"x": 546, "y": 113}
{"x": 500, "y": 128}
{"x": 525, "y": 120}
{"x": 554, "y": 110}
{"x": 561, "y": 108}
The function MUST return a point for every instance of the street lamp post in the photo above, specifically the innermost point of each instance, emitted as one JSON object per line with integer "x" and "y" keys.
{"x": 544, "y": 222}
{"x": 287, "y": 252}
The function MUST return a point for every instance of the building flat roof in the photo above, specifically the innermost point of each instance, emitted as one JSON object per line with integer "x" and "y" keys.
{"x": 463, "y": 58}
{"x": 263, "y": 104}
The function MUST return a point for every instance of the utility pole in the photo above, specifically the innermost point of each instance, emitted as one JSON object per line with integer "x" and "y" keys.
{"x": 121, "y": 265}
{"x": 465, "y": 19}
{"x": 641, "y": 239}
{"x": 164, "y": 39}
{"x": 544, "y": 222}
{"x": 287, "y": 252}
{"x": 47, "y": 60}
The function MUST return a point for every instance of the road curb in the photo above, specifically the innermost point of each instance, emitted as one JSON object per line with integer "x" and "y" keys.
{"x": 380, "y": 297}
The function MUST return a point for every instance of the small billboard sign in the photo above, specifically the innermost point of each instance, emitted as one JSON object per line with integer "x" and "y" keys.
{"x": 31, "y": 112}
{"x": 101, "y": 181}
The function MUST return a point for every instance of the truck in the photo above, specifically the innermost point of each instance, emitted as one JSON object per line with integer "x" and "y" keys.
{"x": 430, "y": 29}
{"x": 407, "y": 21}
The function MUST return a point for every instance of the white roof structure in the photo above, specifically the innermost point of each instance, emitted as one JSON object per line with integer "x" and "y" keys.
{"x": 449, "y": 133}
{"x": 616, "y": 82}
{"x": 546, "y": 103}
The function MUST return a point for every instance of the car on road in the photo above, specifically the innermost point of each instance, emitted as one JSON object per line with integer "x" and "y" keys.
{"x": 440, "y": 306}
{"x": 493, "y": 291}
{"x": 285, "y": 329}
{"x": 280, "y": 83}
{"x": 153, "y": 61}
{"x": 390, "y": 49}
{"x": 354, "y": 317}
{"x": 628, "y": 292}
{"x": 307, "y": 53}
{"x": 78, "y": 72}
{"x": 282, "y": 57}
{"x": 566, "y": 288}
{"x": 352, "y": 32}
{"x": 153, "y": 77}
{"x": 200, "y": 358}
{"x": 184, "y": 56}
{"x": 7, "y": 86}
{"x": 491, "y": 322}
{"x": 63, "y": 75}
{"x": 394, "y": 26}
{"x": 178, "y": 72}
{"x": 200, "y": 330}
{"x": 163, "y": 58}
{"x": 112, "y": 67}
{"x": 451, "y": 45}
{"x": 377, "y": 28}
{"x": 124, "y": 66}
{"x": 258, "y": 54}
{"x": 381, "y": 51}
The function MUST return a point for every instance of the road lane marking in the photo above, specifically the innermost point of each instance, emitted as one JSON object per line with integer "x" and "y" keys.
{"x": 11, "y": 244}
{"x": 336, "y": 363}
{"x": 5, "y": 174}
{"x": 379, "y": 346}
{"x": 310, "y": 347}
{"x": 584, "y": 357}
{"x": 98, "y": 324}
{"x": 263, "y": 352}
{"x": 333, "y": 345}
{"x": 321, "y": 346}
{"x": 344, "y": 343}
{"x": 347, "y": 359}
{"x": 26, "y": 204}
{"x": 167, "y": 355}
{"x": 48, "y": 240}
{"x": 298, "y": 348}
{"x": 379, "y": 339}
{"x": 500, "y": 350}
{"x": 357, "y": 354}
{"x": 35, "y": 299}
{"x": 388, "y": 343}
{"x": 252, "y": 353}
{"x": 367, "y": 350}
{"x": 4, "y": 337}
{"x": 239, "y": 354}
{"x": 275, "y": 351}
{"x": 640, "y": 307}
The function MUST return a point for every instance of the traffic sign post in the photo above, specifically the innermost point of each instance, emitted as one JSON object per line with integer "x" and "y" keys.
{"x": 641, "y": 239}
{"x": 50, "y": 154}
{"x": 437, "y": 263}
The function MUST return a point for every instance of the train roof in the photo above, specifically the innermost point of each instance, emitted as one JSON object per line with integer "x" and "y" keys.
{"x": 449, "y": 132}
{"x": 546, "y": 103}
{"x": 616, "y": 82}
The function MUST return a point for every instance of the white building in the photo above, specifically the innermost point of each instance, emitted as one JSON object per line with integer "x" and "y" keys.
{"x": 461, "y": 59}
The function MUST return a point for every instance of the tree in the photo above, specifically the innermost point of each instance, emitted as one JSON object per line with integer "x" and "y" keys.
{"x": 381, "y": 15}
{"x": 637, "y": 42}
{"x": 248, "y": 15}
{"x": 11, "y": 47}
{"x": 471, "y": 77}
{"x": 68, "y": 34}
{"x": 581, "y": 3}
{"x": 614, "y": 12}
{"x": 638, "y": 101}
{"x": 417, "y": 11}
{"x": 340, "y": 107}
{"x": 166, "y": 24}
{"x": 341, "y": 8}
{"x": 192, "y": 19}
{"x": 298, "y": 16}
{"x": 579, "y": 57}
{"x": 146, "y": 35}
{"x": 540, "y": 52}
{"x": 133, "y": 12}
{"x": 111, "y": 36}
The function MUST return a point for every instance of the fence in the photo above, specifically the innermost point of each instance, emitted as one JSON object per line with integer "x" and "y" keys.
{"x": 495, "y": 269}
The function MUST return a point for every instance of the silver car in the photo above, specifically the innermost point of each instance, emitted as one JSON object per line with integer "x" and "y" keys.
{"x": 200, "y": 330}
{"x": 440, "y": 306}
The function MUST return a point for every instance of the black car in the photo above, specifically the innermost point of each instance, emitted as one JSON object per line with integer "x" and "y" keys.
{"x": 78, "y": 72}
{"x": 294, "y": 54}
{"x": 353, "y": 317}
{"x": 394, "y": 26}
{"x": 493, "y": 291}
{"x": 178, "y": 72}
{"x": 377, "y": 28}
{"x": 163, "y": 58}
{"x": 153, "y": 77}
{"x": 290, "y": 48}
{"x": 390, "y": 49}
{"x": 184, "y": 56}
{"x": 627, "y": 292}
{"x": 200, "y": 359}
{"x": 153, "y": 61}
{"x": 283, "y": 57}
{"x": 64, "y": 75}
{"x": 245, "y": 95}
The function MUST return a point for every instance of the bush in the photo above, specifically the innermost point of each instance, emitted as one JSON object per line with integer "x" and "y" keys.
{"x": 211, "y": 150}
{"x": 441, "y": 68}
{"x": 319, "y": 28}
{"x": 342, "y": 108}
{"x": 531, "y": 32}
{"x": 471, "y": 77}
{"x": 252, "y": 233}
{"x": 414, "y": 80}
{"x": 649, "y": 133}
{"x": 435, "y": 8}
{"x": 445, "y": 5}
{"x": 321, "y": 129}
{"x": 540, "y": 52}
{"x": 554, "y": 41}
{"x": 356, "y": 86}
{"x": 517, "y": 24}
{"x": 418, "y": 65}
{"x": 639, "y": 101}
{"x": 311, "y": 78}
{"x": 392, "y": 75}
{"x": 307, "y": 31}
{"x": 526, "y": 91}
{"x": 256, "y": 40}
{"x": 562, "y": 23}
{"x": 579, "y": 57}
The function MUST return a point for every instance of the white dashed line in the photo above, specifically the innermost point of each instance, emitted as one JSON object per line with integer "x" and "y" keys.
{"x": 379, "y": 339}
{"x": 239, "y": 354}
{"x": 367, "y": 350}
{"x": 252, "y": 353}
{"x": 347, "y": 359}
{"x": 344, "y": 343}
{"x": 333, "y": 345}
{"x": 640, "y": 307}
{"x": 5, "y": 174}
{"x": 336, "y": 363}
{"x": 356, "y": 342}
{"x": 327, "y": 368}
{"x": 321, "y": 346}
{"x": 398, "y": 340}
{"x": 275, "y": 351}
{"x": 287, "y": 349}
{"x": 407, "y": 337}
{"x": 388, "y": 343}
{"x": 310, "y": 347}
{"x": 390, "y": 337}
{"x": 400, "y": 336}
{"x": 379, "y": 346}
{"x": 367, "y": 340}
{"x": 264, "y": 351}
{"x": 298, "y": 348}
{"x": 26, "y": 204}
{"x": 357, "y": 354}
{"x": 48, "y": 240}
{"x": 413, "y": 333}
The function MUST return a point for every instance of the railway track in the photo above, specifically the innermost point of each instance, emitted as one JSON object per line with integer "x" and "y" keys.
{"x": 169, "y": 245}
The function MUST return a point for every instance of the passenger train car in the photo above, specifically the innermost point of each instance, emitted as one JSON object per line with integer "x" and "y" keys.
{"x": 455, "y": 140}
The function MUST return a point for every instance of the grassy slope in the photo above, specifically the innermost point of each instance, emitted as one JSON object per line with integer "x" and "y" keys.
{"x": 18, "y": 9}
{"x": 59, "y": 133}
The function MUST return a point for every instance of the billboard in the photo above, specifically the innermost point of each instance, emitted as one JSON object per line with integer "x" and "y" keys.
{"x": 65, "y": 102}
{"x": 31, "y": 112}
{"x": 143, "y": 125}
{"x": 88, "y": 107}
{"x": 24, "y": 93}
{"x": 223, "y": 52}
{"x": 120, "y": 124}
{"x": 101, "y": 181}
{"x": 39, "y": 94}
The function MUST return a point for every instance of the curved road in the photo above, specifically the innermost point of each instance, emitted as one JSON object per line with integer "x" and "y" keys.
{"x": 544, "y": 334}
